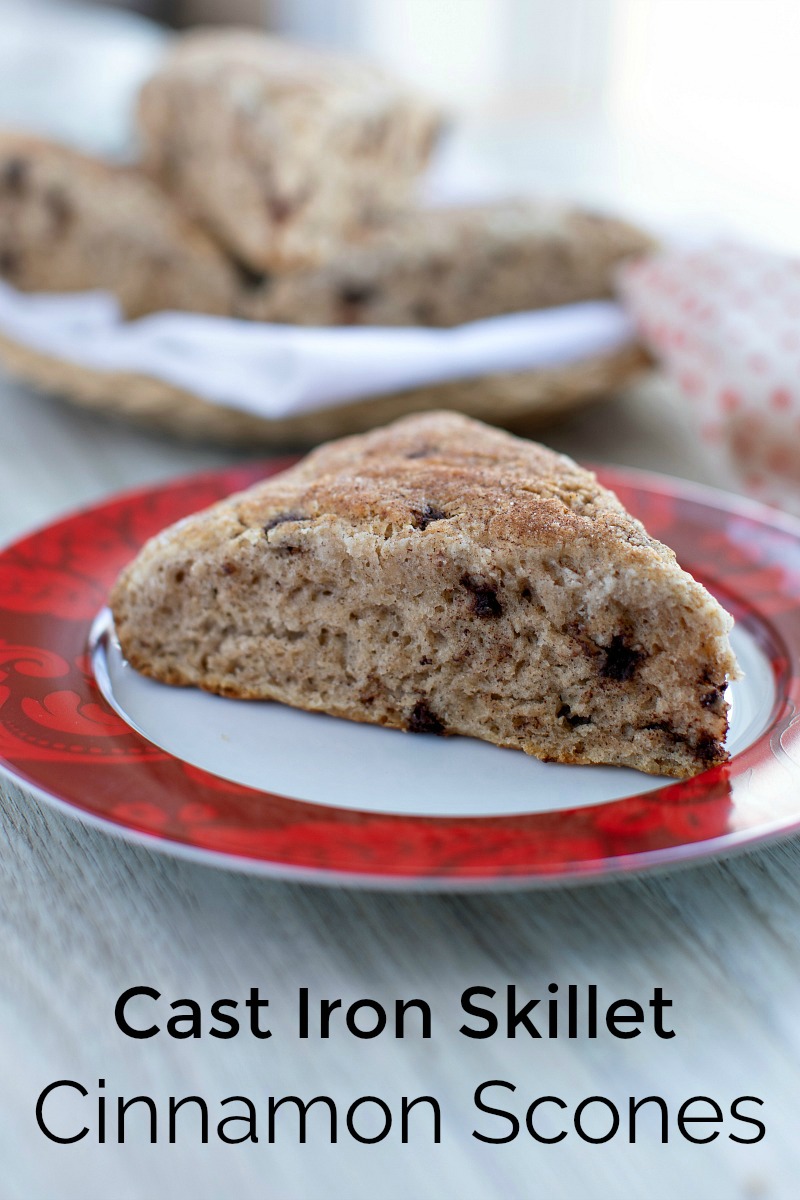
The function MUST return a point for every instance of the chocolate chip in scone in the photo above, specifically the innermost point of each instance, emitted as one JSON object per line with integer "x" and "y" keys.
{"x": 282, "y": 518}
{"x": 250, "y": 280}
{"x": 356, "y": 295}
{"x": 669, "y": 730}
{"x": 280, "y": 208}
{"x": 484, "y": 597}
{"x": 437, "y": 268}
{"x": 59, "y": 208}
{"x": 708, "y": 749}
{"x": 424, "y": 313}
{"x": 572, "y": 719}
{"x": 427, "y": 515}
{"x": 352, "y": 300}
{"x": 713, "y": 694}
{"x": 664, "y": 727}
{"x": 621, "y": 660}
{"x": 424, "y": 720}
{"x": 9, "y": 263}
{"x": 14, "y": 175}
{"x": 371, "y": 691}
{"x": 420, "y": 452}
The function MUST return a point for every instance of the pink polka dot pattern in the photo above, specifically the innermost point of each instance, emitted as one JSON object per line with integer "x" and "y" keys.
{"x": 724, "y": 321}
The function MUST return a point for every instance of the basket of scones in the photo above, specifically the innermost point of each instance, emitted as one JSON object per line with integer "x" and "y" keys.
{"x": 265, "y": 273}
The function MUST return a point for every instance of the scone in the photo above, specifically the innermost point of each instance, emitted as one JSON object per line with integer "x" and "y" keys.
{"x": 440, "y": 576}
{"x": 69, "y": 222}
{"x": 280, "y": 150}
{"x": 445, "y": 266}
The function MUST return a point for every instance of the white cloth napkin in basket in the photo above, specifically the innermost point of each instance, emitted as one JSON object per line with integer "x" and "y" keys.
{"x": 280, "y": 370}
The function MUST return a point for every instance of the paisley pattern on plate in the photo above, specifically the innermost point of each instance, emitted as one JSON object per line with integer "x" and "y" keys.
{"x": 59, "y": 736}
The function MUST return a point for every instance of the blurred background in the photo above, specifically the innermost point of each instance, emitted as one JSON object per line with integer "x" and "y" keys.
{"x": 677, "y": 114}
{"x": 680, "y": 112}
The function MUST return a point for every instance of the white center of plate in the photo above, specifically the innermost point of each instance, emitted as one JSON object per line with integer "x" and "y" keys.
{"x": 326, "y": 760}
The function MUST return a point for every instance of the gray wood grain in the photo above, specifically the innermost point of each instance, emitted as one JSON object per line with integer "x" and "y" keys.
{"x": 84, "y": 916}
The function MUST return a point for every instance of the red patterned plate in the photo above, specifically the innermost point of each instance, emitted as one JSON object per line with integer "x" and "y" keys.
{"x": 329, "y": 802}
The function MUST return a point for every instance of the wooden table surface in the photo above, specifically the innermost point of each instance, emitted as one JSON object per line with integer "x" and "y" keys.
{"x": 84, "y": 916}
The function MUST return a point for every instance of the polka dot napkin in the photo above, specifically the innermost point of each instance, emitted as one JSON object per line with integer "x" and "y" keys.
{"x": 724, "y": 321}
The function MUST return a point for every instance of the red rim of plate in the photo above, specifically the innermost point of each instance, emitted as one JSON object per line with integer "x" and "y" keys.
{"x": 60, "y": 739}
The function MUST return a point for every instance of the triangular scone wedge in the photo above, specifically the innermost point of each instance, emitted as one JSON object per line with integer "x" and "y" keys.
{"x": 440, "y": 576}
